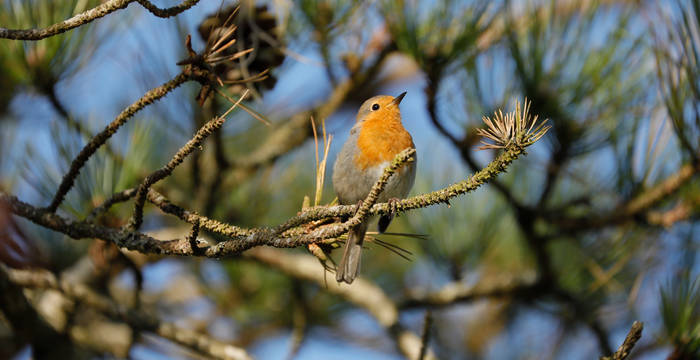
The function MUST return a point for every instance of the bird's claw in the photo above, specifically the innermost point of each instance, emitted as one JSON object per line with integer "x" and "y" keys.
{"x": 393, "y": 206}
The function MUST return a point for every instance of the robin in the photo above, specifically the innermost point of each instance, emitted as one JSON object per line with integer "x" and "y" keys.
{"x": 375, "y": 139}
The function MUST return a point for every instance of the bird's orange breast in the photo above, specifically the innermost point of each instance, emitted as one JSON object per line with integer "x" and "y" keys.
{"x": 380, "y": 139}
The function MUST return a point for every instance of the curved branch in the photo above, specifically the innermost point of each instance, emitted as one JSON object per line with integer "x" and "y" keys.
{"x": 238, "y": 243}
{"x": 632, "y": 208}
{"x": 167, "y": 12}
{"x": 90, "y": 15}
{"x": 29, "y": 326}
{"x": 459, "y": 292}
{"x": 99, "y": 139}
{"x": 136, "y": 319}
{"x": 512, "y": 133}
{"x": 361, "y": 293}
{"x": 441, "y": 196}
{"x": 193, "y": 218}
{"x": 178, "y": 158}
{"x": 58, "y": 28}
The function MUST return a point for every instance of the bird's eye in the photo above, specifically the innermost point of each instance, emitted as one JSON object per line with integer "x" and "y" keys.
{"x": 375, "y": 107}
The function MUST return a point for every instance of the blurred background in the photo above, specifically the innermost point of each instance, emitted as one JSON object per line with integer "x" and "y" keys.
{"x": 593, "y": 229}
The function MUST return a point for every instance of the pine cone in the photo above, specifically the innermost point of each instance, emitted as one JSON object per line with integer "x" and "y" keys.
{"x": 256, "y": 29}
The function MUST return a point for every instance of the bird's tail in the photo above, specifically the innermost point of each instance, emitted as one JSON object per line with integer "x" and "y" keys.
{"x": 350, "y": 264}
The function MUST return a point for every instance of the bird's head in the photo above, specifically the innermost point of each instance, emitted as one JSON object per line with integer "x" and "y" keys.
{"x": 381, "y": 107}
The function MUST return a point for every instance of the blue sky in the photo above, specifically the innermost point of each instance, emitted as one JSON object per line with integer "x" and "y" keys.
{"x": 110, "y": 81}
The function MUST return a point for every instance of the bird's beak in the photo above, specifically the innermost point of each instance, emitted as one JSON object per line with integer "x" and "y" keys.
{"x": 398, "y": 99}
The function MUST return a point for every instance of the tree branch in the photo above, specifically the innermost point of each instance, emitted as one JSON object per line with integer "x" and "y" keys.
{"x": 361, "y": 293}
{"x": 90, "y": 148}
{"x": 139, "y": 320}
{"x": 90, "y": 15}
{"x": 459, "y": 292}
{"x": 167, "y": 12}
{"x": 238, "y": 243}
{"x": 178, "y": 158}
{"x": 190, "y": 217}
{"x": 633, "y": 207}
{"x": 28, "y": 325}
{"x": 58, "y": 28}
{"x": 513, "y": 133}
{"x": 498, "y": 165}
{"x": 624, "y": 350}
{"x": 107, "y": 204}
{"x": 133, "y": 240}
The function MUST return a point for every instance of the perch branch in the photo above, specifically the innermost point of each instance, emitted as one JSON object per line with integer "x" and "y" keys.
{"x": 192, "y": 218}
{"x": 256, "y": 237}
{"x": 513, "y": 144}
{"x": 246, "y": 239}
{"x": 482, "y": 176}
{"x": 363, "y": 211}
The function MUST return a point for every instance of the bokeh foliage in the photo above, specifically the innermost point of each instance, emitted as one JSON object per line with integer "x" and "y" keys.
{"x": 624, "y": 110}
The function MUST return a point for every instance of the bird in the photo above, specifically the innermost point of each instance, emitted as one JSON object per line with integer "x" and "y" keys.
{"x": 375, "y": 139}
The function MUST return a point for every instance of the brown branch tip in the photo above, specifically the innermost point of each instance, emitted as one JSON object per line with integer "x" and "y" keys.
{"x": 516, "y": 127}
{"x": 631, "y": 339}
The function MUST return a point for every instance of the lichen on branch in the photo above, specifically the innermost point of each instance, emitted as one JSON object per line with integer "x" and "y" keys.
{"x": 518, "y": 134}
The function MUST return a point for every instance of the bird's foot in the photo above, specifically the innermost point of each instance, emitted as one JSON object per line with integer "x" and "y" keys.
{"x": 393, "y": 206}
{"x": 385, "y": 219}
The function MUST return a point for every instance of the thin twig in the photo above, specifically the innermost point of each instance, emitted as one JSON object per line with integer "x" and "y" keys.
{"x": 361, "y": 293}
{"x": 425, "y": 338}
{"x": 99, "y": 139}
{"x": 633, "y": 207}
{"x": 107, "y": 204}
{"x": 88, "y": 16}
{"x": 441, "y": 196}
{"x": 277, "y": 237}
{"x": 460, "y": 292}
{"x": 190, "y": 217}
{"x": 167, "y": 12}
{"x": 631, "y": 339}
{"x": 177, "y": 159}
{"x": 192, "y": 238}
{"x": 63, "y": 26}
{"x": 139, "y": 320}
